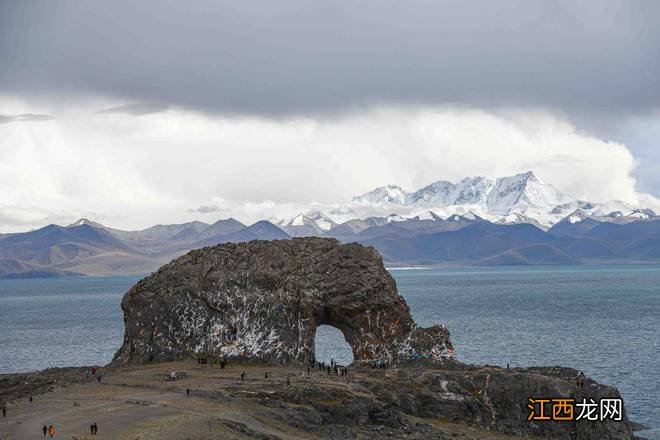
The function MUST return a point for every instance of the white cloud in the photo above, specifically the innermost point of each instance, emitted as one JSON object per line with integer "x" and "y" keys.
{"x": 177, "y": 165}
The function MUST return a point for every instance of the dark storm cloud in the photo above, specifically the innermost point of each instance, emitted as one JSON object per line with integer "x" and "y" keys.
{"x": 300, "y": 56}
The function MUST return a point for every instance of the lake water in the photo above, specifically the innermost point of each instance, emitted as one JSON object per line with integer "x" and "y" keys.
{"x": 602, "y": 320}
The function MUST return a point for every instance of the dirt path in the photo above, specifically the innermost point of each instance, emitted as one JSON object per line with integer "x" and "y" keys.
{"x": 134, "y": 407}
{"x": 72, "y": 410}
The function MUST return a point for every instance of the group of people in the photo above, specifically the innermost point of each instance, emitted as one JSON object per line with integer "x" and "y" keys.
{"x": 322, "y": 366}
{"x": 51, "y": 431}
{"x": 380, "y": 364}
{"x": 329, "y": 368}
{"x": 92, "y": 372}
{"x": 203, "y": 359}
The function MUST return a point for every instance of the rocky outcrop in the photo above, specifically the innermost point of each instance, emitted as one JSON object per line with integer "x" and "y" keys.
{"x": 264, "y": 299}
{"x": 487, "y": 398}
{"x": 496, "y": 398}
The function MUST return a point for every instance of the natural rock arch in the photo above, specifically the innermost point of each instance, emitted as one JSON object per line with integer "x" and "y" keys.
{"x": 330, "y": 344}
{"x": 264, "y": 299}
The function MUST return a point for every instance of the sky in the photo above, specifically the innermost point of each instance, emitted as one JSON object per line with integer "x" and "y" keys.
{"x": 161, "y": 112}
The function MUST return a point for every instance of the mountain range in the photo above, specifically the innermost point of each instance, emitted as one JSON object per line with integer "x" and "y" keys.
{"x": 522, "y": 198}
{"x": 89, "y": 248}
{"x": 502, "y": 226}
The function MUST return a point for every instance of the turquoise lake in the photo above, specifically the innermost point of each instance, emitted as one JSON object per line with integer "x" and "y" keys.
{"x": 604, "y": 320}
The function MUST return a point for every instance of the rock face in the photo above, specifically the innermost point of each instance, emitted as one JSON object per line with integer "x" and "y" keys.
{"x": 496, "y": 398}
{"x": 264, "y": 299}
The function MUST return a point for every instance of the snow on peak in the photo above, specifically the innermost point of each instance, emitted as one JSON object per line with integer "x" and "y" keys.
{"x": 311, "y": 218}
{"x": 395, "y": 218}
{"x": 577, "y": 216}
{"x": 298, "y": 220}
{"x": 641, "y": 214}
{"x": 428, "y": 215}
{"x": 84, "y": 221}
{"x": 524, "y": 191}
{"x": 322, "y": 221}
{"x": 385, "y": 194}
{"x": 470, "y": 215}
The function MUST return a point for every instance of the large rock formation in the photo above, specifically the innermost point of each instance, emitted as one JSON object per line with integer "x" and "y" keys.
{"x": 264, "y": 299}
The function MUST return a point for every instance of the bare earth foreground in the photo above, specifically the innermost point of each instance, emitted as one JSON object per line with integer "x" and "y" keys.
{"x": 138, "y": 403}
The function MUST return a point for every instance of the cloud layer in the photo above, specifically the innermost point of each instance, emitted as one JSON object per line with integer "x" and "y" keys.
{"x": 174, "y": 165}
{"x": 309, "y": 57}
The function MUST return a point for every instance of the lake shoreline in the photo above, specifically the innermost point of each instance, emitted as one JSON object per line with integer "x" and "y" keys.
{"x": 605, "y": 264}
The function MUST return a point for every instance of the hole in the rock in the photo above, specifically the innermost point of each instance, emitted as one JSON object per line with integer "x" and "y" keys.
{"x": 330, "y": 344}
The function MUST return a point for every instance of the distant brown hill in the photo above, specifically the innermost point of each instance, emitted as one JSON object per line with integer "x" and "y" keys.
{"x": 89, "y": 248}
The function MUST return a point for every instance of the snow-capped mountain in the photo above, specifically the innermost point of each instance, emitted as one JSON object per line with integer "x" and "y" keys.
{"x": 384, "y": 194}
{"x": 428, "y": 216}
{"x": 618, "y": 217}
{"x": 576, "y": 217}
{"x": 643, "y": 214}
{"x": 516, "y": 219}
{"x": 311, "y": 223}
{"x": 394, "y": 218}
{"x": 493, "y": 196}
{"x": 84, "y": 221}
{"x": 522, "y": 198}
{"x": 321, "y": 220}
